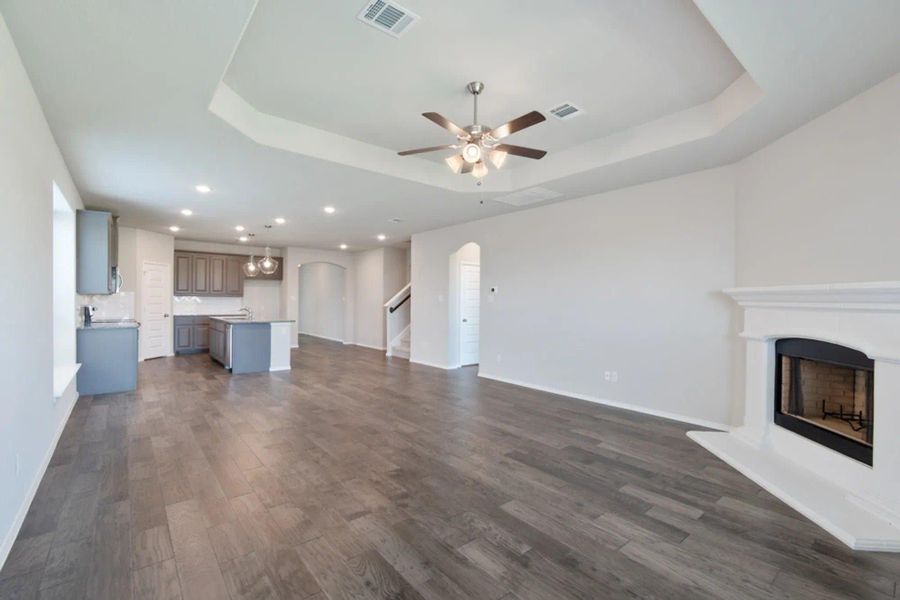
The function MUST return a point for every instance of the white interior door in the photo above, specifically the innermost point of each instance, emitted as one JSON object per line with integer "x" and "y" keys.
{"x": 469, "y": 309}
{"x": 156, "y": 299}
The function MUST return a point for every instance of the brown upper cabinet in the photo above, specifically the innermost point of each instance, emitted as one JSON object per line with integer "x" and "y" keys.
{"x": 217, "y": 265}
{"x": 183, "y": 278}
{"x": 206, "y": 274}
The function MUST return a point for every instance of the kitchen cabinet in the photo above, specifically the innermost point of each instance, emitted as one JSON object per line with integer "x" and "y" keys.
{"x": 207, "y": 274}
{"x": 234, "y": 276}
{"x": 97, "y": 252}
{"x": 183, "y": 262}
{"x": 218, "y": 341}
{"x": 191, "y": 334}
{"x": 200, "y": 272}
{"x": 183, "y": 338}
{"x": 108, "y": 354}
{"x": 217, "y": 266}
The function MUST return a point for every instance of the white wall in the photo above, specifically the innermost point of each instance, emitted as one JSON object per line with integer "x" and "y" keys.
{"x": 396, "y": 271}
{"x": 294, "y": 257}
{"x": 822, "y": 204}
{"x": 322, "y": 300}
{"x": 370, "y": 298}
{"x": 626, "y": 281}
{"x": 31, "y": 419}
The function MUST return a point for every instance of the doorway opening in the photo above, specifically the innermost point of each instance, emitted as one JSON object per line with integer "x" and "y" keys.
{"x": 464, "y": 303}
{"x": 321, "y": 300}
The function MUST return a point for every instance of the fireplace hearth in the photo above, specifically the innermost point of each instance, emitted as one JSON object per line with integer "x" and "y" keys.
{"x": 820, "y": 417}
{"x": 825, "y": 392}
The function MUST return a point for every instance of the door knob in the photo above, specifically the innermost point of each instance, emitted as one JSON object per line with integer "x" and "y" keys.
{"x": 165, "y": 315}
{"x": 465, "y": 320}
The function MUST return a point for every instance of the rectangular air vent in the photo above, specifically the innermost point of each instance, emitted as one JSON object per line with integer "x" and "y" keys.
{"x": 566, "y": 110}
{"x": 528, "y": 196}
{"x": 388, "y": 17}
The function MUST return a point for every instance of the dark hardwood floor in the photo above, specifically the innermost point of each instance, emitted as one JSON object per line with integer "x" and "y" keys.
{"x": 357, "y": 476}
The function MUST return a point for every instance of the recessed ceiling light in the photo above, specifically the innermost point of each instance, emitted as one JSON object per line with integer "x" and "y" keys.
{"x": 174, "y": 228}
{"x": 239, "y": 228}
{"x": 187, "y": 212}
{"x": 203, "y": 189}
{"x": 243, "y": 238}
{"x": 280, "y": 220}
{"x": 343, "y": 246}
{"x": 329, "y": 210}
{"x": 381, "y": 237}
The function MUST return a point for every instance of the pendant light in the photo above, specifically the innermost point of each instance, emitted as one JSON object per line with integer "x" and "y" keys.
{"x": 267, "y": 264}
{"x": 250, "y": 268}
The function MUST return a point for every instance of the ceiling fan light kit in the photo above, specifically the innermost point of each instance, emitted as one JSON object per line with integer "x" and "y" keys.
{"x": 477, "y": 142}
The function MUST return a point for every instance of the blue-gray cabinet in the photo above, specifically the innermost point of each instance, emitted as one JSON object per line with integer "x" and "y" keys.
{"x": 108, "y": 357}
{"x": 191, "y": 334}
{"x": 97, "y": 252}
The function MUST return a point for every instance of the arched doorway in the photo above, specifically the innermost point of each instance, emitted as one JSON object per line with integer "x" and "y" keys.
{"x": 321, "y": 300}
{"x": 464, "y": 305}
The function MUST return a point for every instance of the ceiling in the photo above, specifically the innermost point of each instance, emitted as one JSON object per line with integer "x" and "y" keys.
{"x": 623, "y": 63}
{"x": 285, "y": 107}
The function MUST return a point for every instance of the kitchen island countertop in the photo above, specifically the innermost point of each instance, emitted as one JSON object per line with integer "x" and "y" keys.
{"x": 242, "y": 321}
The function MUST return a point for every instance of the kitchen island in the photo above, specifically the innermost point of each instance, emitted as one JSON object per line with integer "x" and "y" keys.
{"x": 250, "y": 345}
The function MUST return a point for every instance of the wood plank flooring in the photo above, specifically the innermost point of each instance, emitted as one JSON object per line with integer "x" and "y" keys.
{"x": 357, "y": 476}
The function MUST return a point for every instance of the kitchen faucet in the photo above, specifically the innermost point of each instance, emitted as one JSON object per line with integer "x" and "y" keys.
{"x": 249, "y": 312}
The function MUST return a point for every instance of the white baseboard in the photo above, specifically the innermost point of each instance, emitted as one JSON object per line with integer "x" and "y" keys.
{"x": 382, "y": 348}
{"x": 273, "y": 369}
{"x": 322, "y": 337}
{"x": 597, "y": 400}
{"x": 429, "y": 364}
{"x": 13, "y": 532}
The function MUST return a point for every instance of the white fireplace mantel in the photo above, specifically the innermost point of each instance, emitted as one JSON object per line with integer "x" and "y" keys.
{"x": 858, "y": 504}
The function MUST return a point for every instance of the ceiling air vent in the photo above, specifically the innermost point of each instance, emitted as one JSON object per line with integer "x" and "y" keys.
{"x": 388, "y": 17}
{"x": 566, "y": 110}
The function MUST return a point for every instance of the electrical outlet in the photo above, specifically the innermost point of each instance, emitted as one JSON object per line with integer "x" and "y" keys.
{"x": 615, "y": 376}
{"x": 607, "y": 375}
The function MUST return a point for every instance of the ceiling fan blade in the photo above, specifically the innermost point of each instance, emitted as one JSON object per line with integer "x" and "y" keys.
{"x": 446, "y": 124}
{"x": 429, "y": 149}
{"x": 532, "y": 118}
{"x": 467, "y": 167}
{"x": 521, "y": 151}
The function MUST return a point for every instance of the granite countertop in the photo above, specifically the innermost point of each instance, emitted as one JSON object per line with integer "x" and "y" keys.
{"x": 123, "y": 324}
{"x": 211, "y": 315}
{"x": 244, "y": 321}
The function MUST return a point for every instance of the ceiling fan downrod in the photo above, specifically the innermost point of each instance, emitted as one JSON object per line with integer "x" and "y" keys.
{"x": 475, "y": 88}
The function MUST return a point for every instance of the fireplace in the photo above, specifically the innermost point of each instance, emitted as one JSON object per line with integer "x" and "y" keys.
{"x": 816, "y": 447}
{"x": 824, "y": 392}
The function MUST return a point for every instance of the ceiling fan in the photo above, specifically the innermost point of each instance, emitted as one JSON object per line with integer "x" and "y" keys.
{"x": 477, "y": 142}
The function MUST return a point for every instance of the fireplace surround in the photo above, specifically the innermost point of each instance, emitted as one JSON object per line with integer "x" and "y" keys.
{"x": 856, "y": 498}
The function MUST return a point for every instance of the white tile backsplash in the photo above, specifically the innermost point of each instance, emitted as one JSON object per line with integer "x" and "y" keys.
{"x": 197, "y": 305}
{"x": 262, "y": 297}
{"x": 110, "y": 307}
